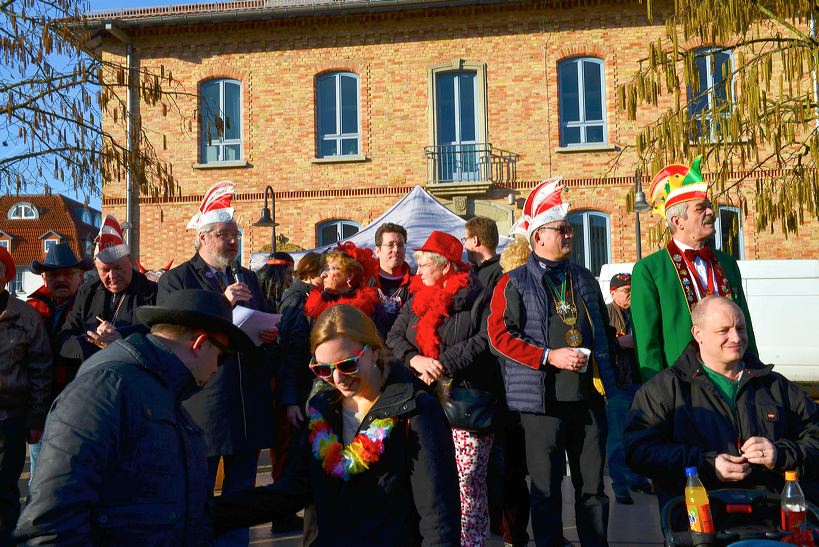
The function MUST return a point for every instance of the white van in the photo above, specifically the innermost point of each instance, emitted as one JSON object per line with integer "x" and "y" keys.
{"x": 783, "y": 298}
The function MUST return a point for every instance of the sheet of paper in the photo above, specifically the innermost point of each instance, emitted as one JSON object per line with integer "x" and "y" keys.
{"x": 252, "y": 321}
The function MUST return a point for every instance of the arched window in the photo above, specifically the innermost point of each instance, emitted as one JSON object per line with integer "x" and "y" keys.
{"x": 728, "y": 236}
{"x": 86, "y": 217}
{"x": 338, "y": 115}
{"x": 335, "y": 230}
{"x": 22, "y": 211}
{"x": 581, "y": 85}
{"x": 591, "y": 246}
{"x": 221, "y": 110}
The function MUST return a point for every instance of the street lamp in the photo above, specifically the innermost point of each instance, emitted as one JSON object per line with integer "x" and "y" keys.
{"x": 640, "y": 206}
{"x": 268, "y": 219}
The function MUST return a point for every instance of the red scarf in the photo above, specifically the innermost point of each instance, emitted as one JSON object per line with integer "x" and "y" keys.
{"x": 431, "y": 305}
{"x": 364, "y": 299}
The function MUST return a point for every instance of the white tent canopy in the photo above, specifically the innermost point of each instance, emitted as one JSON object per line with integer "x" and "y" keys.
{"x": 418, "y": 212}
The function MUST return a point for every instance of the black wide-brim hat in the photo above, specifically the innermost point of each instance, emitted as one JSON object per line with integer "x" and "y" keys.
{"x": 197, "y": 309}
{"x": 61, "y": 257}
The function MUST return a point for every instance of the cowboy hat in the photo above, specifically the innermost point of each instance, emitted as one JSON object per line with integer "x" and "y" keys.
{"x": 197, "y": 309}
{"x": 61, "y": 257}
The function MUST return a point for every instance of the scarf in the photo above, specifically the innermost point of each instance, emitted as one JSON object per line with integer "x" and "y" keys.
{"x": 431, "y": 305}
{"x": 362, "y": 298}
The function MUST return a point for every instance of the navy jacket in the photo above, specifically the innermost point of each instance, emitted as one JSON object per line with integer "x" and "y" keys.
{"x": 121, "y": 463}
{"x": 236, "y": 407}
{"x": 518, "y": 329}
{"x": 408, "y": 497}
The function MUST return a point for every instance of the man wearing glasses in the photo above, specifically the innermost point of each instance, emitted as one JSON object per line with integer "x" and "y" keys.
{"x": 548, "y": 325}
{"x": 122, "y": 462}
{"x": 235, "y": 409}
{"x": 394, "y": 273}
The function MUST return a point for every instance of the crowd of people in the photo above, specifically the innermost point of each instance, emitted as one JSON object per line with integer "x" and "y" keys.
{"x": 399, "y": 407}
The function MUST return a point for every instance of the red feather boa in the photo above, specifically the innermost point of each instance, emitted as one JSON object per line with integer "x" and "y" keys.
{"x": 365, "y": 299}
{"x": 431, "y": 305}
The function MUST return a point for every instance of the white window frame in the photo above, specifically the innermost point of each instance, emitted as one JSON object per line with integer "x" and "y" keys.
{"x": 710, "y": 87}
{"x": 585, "y": 214}
{"x": 740, "y": 234}
{"x": 5, "y": 243}
{"x": 339, "y": 223}
{"x": 583, "y": 124}
{"x": 17, "y": 284}
{"x": 46, "y": 244}
{"x": 338, "y": 136}
{"x": 27, "y": 211}
{"x": 216, "y": 140}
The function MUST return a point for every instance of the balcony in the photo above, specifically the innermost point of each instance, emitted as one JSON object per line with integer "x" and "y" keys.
{"x": 468, "y": 169}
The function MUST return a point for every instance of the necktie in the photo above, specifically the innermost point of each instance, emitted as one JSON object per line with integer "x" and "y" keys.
{"x": 220, "y": 278}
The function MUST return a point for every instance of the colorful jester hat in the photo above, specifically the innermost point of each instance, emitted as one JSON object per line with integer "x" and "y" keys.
{"x": 110, "y": 243}
{"x": 544, "y": 205}
{"x": 677, "y": 184}
{"x": 215, "y": 206}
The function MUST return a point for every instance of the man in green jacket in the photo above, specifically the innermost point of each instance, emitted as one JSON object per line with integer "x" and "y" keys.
{"x": 666, "y": 284}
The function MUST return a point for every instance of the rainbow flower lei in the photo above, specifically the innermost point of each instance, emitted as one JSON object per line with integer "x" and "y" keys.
{"x": 344, "y": 462}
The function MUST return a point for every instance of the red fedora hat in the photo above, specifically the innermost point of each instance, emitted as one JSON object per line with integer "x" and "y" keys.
{"x": 445, "y": 245}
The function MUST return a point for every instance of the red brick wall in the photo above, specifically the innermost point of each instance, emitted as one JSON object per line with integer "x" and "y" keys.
{"x": 277, "y": 61}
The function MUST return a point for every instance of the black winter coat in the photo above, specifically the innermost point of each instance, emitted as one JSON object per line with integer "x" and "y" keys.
{"x": 93, "y": 300}
{"x": 236, "y": 407}
{"x": 294, "y": 377}
{"x": 121, "y": 463}
{"x": 464, "y": 345}
{"x": 679, "y": 419}
{"x": 408, "y": 497}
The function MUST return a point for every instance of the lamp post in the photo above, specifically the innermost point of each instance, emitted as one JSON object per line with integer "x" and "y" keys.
{"x": 640, "y": 206}
{"x": 268, "y": 216}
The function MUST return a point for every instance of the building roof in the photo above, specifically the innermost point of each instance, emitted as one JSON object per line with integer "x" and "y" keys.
{"x": 56, "y": 214}
{"x": 250, "y": 10}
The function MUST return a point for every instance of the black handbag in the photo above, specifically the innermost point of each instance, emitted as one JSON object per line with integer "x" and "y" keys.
{"x": 469, "y": 409}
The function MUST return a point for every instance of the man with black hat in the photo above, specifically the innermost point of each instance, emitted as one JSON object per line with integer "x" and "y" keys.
{"x": 25, "y": 386}
{"x": 62, "y": 275}
{"x": 122, "y": 462}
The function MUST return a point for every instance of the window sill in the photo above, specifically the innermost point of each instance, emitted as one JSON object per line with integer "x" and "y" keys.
{"x": 586, "y": 148}
{"x": 221, "y": 165}
{"x": 339, "y": 159}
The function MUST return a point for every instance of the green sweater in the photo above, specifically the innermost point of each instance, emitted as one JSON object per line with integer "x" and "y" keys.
{"x": 661, "y": 316}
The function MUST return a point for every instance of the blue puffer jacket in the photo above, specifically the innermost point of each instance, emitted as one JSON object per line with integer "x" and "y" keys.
{"x": 518, "y": 328}
{"x": 122, "y": 463}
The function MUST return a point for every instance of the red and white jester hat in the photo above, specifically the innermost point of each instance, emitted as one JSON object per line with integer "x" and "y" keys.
{"x": 215, "y": 206}
{"x": 110, "y": 243}
{"x": 544, "y": 205}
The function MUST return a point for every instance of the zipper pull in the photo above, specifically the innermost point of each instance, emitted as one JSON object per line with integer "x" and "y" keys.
{"x": 739, "y": 445}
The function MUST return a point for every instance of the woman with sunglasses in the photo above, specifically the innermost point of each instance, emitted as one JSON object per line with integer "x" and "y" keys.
{"x": 440, "y": 334}
{"x": 376, "y": 457}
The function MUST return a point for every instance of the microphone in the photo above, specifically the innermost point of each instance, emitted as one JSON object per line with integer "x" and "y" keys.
{"x": 237, "y": 272}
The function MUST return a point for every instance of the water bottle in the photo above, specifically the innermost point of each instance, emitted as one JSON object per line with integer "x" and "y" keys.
{"x": 696, "y": 503}
{"x": 793, "y": 504}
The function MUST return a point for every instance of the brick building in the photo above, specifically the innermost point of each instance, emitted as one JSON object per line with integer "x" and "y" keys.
{"x": 343, "y": 106}
{"x": 31, "y": 225}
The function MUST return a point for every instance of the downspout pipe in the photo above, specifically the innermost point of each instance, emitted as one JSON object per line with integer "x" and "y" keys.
{"x": 123, "y": 37}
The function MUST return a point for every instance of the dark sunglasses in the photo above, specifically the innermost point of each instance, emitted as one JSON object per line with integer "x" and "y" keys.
{"x": 563, "y": 230}
{"x": 226, "y": 351}
{"x": 348, "y": 366}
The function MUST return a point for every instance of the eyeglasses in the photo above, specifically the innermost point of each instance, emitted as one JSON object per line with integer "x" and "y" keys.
{"x": 348, "y": 366}
{"x": 395, "y": 245}
{"x": 564, "y": 229}
{"x": 465, "y": 239}
{"x": 226, "y": 351}
{"x": 226, "y": 235}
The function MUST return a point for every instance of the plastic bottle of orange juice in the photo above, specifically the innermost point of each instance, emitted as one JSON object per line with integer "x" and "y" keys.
{"x": 696, "y": 502}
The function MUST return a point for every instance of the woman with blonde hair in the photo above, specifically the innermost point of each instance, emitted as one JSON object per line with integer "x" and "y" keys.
{"x": 377, "y": 457}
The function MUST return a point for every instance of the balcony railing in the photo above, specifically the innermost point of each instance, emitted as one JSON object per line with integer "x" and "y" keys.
{"x": 478, "y": 162}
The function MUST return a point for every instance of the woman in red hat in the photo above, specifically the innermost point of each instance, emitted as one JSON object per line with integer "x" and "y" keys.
{"x": 438, "y": 334}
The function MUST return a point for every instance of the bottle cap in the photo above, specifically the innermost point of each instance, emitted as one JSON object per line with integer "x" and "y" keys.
{"x": 791, "y": 475}
{"x": 690, "y": 471}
